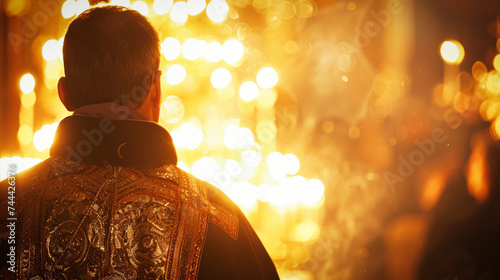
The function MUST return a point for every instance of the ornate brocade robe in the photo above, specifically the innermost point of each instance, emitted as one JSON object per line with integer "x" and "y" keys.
{"x": 122, "y": 210}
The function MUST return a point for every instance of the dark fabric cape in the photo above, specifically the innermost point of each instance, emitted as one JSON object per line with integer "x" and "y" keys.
{"x": 145, "y": 144}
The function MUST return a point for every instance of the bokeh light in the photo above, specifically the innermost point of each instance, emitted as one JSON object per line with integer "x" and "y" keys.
{"x": 172, "y": 109}
{"x": 233, "y": 168}
{"x": 42, "y": 139}
{"x": 252, "y": 156}
{"x": 188, "y": 136}
{"x": 27, "y": 83}
{"x": 123, "y": 3}
{"x": 179, "y": 12}
{"x": 213, "y": 52}
{"x": 205, "y": 168}
{"x": 217, "y": 10}
{"x": 171, "y": 48}
{"x": 306, "y": 231}
{"x": 68, "y": 9}
{"x": 221, "y": 77}
{"x": 235, "y": 137}
{"x": 248, "y": 91}
{"x": 315, "y": 190}
{"x": 182, "y": 165}
{"x": 141, "y": 7}
{"x": 292, "y": 163}
{"x": 267, "y": 77}
{"x": 51, "y": 49}
{"x": 25, "y": 134}
{"x": 276, "y": 166}
{"x": 15, "y": 7}
{"x": 232, "y": 51}
{"x": 192, "y": 49}
{"x": 288, "y": 153}
{"x": 161, "y": 7}
{"x": 452, "y": 52}
{"x": 243, "y": 193}
{"x": 175, "y": 74}
{"x": 496, "y": 62}
{"x": 28, "y": 100}
{"x": 81, "y": 6}
{"x": 195, "y": 7}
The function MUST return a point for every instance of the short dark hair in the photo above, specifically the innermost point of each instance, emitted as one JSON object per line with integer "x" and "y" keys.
{"x": 109, "y": 54}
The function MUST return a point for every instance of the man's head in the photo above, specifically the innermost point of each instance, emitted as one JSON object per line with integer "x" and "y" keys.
{"x": 111, "y": 54}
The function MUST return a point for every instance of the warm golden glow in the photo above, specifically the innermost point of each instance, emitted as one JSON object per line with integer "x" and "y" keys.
{"x": 280, "y": 165}
{"x": 403, "y": 241}
{"x": 266, "y": 99}
{"x": 291, "y": 163}
{"x": 16, "y": 7}
{"x": 42, "y": 139}
{"x": 328, "y": 127}
{"x": 187, "y": 136}
{"x": 172, "y": 109}
{"x": 243, "y": 193}
{"x": 275, "y": 165}
{"x": 313, "y": 193}
{"x": 293, "y": 191}
{"x": 235, "y": 137}
{"x": 291, "y": 47}
{"x": 351, "y": 6}
{"x": 354, "y": 132}
{"x": 226, "y": 114}
{"x": 492, "y": 82}
{"x": 495, "y": 129}
{"x": 478, "y": 70}
{"x": 25, "y": 134}
{"x": 28, "y": 100}
{"x": 306, "y": 231}
{"x": 478, "y": 173}
{"x": 496, "y": 62}
{"x": 432, "y": 190}
{"x": 253, "y": 156}
{"x": 22, "y": 164}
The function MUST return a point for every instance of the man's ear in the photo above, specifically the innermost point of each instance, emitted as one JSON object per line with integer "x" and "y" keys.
{"x": 63, "y": 94}
{"x": 156, "y": 98}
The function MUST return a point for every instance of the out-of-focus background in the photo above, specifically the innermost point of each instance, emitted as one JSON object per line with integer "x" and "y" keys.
{"x": 357, "y": 136}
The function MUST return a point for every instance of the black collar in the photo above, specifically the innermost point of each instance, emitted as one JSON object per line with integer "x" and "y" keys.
{"x": 131, "y": 143}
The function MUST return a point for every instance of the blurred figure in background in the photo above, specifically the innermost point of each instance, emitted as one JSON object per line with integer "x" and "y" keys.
{"x": 463, "y": 240}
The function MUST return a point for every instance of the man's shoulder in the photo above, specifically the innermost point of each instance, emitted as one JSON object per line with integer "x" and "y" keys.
{"x": 191, "y": 184}
{"x": 222, "y": 211}
{"x": 48, "y": 169}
